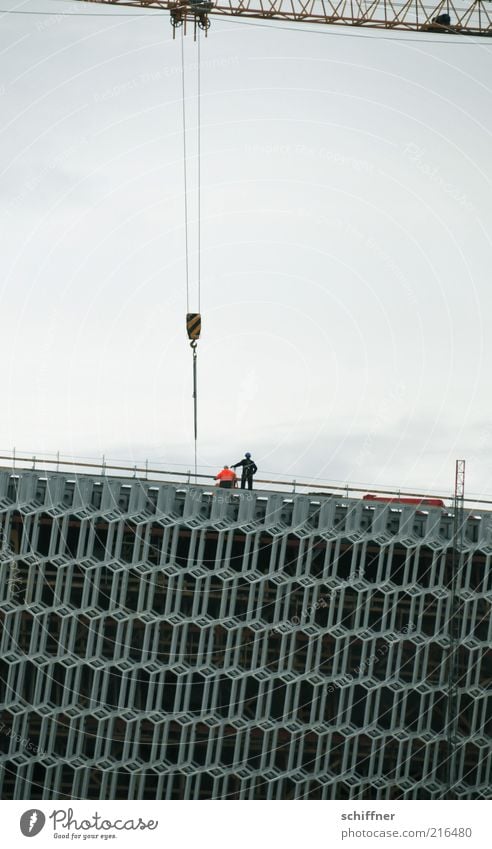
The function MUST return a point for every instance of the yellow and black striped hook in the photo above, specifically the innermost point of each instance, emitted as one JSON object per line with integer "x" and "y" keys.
{"x": 193, "y": 328}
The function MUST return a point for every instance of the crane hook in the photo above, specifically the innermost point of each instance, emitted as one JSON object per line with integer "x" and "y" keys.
{"x": 193, "y": 326}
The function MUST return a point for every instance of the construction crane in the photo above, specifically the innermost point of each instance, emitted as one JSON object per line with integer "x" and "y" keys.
{"x": 473, "y": 18}
{"x": 410, "y": 16}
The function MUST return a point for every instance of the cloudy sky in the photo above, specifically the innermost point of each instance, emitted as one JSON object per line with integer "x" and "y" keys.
{"x": 346, "y": 248}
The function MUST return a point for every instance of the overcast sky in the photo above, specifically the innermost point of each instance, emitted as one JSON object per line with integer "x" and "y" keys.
{"x": 346, "y": 248}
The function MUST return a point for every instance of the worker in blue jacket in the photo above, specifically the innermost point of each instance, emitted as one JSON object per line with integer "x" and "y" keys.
{"x": 249, "y": 468}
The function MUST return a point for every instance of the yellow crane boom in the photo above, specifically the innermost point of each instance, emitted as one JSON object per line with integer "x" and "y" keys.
{"x": 412, "y": 16}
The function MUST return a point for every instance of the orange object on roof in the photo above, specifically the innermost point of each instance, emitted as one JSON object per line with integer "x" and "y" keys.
{"x": 226, "y": 475}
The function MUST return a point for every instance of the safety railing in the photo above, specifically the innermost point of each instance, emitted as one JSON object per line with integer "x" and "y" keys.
{"x": 146, "y": 470}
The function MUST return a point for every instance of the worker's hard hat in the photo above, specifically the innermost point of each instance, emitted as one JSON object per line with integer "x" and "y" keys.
{"x": 248, "y": 455}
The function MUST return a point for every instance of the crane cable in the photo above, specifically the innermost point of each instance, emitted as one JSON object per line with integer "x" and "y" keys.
{"x": 193, "y": 320}
{"x": 199, "y": 175}
{"x": 183, "y": 98}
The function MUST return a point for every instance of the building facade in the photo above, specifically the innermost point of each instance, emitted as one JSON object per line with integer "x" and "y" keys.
{"x": 162, "y": 641}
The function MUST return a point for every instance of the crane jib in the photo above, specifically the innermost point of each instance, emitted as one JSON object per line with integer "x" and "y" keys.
{"x": 471, "y": 17}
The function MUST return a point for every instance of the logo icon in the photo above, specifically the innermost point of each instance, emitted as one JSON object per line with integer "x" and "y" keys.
{"x": 32, "y": 822}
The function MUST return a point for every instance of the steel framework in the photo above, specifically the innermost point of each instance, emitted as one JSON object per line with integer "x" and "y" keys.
{"x": 169, "y": 641}
{"x": 411, "y": 16}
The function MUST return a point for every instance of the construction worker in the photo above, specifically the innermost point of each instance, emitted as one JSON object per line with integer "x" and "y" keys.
{"x": 249, "y": 468}
{"x": 227, "y": 478}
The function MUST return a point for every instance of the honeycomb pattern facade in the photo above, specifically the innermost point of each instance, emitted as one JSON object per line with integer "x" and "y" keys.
{"x": 174, "y": 642}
